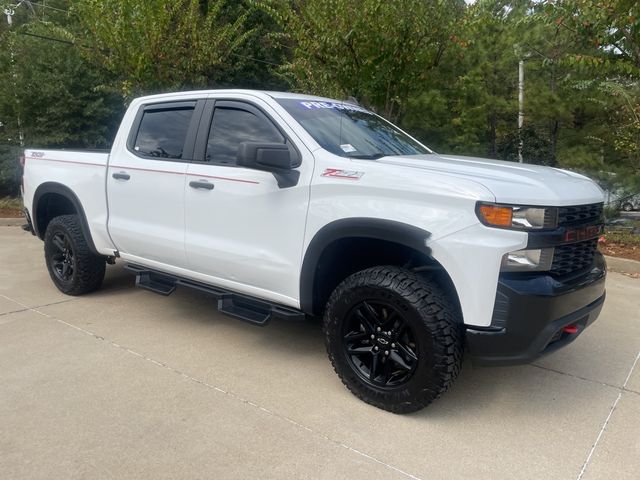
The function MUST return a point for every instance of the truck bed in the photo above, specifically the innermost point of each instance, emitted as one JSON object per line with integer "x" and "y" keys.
{"x": 83, "y": 172}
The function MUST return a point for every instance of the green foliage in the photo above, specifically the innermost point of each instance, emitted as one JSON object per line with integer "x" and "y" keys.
{"x": 157, "y": 45}
{"x": 10, "y": 169}
{"x": 11, "y": 203}
{"x": 49, "y": 93}
{"x": 611, "y": 211}
{"x": 623, "y": 238}
{"x": 476, "y": 86}
{"x": 606, "y": 37}
{"x": 445, "y": 70}
{"x": 58, "y": 103}
{"x": 376, "y": 51}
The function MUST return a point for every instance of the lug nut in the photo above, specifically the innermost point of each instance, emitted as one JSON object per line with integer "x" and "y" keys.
{"x": 393, "y": 345}
{"x": 372, "y": 337}
{"x": 378, "y": 329}
{"x": 386, "y": 352}
{"x": 375, "y": 348}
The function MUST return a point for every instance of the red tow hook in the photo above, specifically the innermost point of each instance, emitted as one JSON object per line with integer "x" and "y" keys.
{"x": 571, "y": 329}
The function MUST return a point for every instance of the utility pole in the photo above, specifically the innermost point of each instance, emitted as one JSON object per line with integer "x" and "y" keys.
{"x": 520, "y": 108}
{"x": 9, "y": 12}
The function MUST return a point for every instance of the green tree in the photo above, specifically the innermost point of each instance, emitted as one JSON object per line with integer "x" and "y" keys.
{"x": 160, "y": 45}
{"x": 377, "y": 51}
{"x": 470, "y": 104}
{"x": 49, "y": 94}
{"x": 611, "y": 28}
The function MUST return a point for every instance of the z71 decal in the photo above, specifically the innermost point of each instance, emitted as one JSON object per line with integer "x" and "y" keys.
{"x": 345, "y": 174}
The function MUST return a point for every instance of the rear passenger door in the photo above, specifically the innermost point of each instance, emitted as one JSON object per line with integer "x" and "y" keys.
{"x": 146, "y": 182}
{"x": 242, "y": 230}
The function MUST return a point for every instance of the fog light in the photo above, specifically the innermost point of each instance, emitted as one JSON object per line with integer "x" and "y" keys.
{"x": 534, "y": 260}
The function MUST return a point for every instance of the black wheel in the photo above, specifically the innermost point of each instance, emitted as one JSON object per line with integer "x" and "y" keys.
{"x": 627, "y": 207}
{"x": 72, "y": 266}
{"x": 393, "y": 338}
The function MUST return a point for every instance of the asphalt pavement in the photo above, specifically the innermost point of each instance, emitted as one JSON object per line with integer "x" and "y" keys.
{"x": 127, "y": 384}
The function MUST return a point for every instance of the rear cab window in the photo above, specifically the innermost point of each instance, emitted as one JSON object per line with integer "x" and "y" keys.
{"x": 161, "y": 131}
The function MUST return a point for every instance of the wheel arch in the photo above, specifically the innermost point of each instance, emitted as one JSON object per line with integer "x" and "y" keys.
{"x": 345, "y": 246}
{"x": 52, "y": 199}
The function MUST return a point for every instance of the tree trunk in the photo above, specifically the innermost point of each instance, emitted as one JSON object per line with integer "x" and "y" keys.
{"x": 493, "y": 148}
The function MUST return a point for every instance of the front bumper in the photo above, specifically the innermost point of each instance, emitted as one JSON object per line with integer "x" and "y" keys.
{"x": 531, "y": 313}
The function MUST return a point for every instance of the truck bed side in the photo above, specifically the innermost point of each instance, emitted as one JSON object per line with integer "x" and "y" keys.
{"x": 82, "y": 173}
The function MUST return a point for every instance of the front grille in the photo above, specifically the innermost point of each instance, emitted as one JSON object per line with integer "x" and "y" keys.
{"x": 580, "y": 214}
{"x": 573, "y": 257}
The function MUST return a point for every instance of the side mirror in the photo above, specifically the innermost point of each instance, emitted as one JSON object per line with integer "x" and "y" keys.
{"x": 264, "y": 156}
{"x": 272, "y": 157}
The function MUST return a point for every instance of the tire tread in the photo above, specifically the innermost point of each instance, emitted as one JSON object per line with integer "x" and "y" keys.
{"x": 438, "y": 317}
{"x": 89, "y": 267}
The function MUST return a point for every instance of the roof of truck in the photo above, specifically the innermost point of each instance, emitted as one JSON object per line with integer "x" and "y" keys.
{"x": 258, "y": 93}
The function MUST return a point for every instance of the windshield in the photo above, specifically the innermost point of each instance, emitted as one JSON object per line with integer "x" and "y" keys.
{"x": 350, "y": 131}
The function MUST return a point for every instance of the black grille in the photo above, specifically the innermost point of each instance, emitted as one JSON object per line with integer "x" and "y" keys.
{"x": 573, "y": 257}
{"x": 580, "y": 214}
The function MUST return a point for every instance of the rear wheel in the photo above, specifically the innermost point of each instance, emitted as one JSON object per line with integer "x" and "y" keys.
{"x": 73, "y": 267}
{"x": 627, "y": 207}
{"x": 393, "y": 338}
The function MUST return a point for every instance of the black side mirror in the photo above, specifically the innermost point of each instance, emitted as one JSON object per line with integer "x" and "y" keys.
{"x": 272, "y": 157}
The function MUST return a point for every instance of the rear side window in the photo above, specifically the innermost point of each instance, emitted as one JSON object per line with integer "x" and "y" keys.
{"x": 162, "y": 132}
{"x": 232, "y": 126}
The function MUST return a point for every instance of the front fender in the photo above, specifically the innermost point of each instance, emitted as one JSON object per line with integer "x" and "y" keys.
{"x": 372, "y": 228}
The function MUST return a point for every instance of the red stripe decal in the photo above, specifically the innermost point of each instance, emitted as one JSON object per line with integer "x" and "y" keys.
{"x": 66, "y": 161}
{"x": 145, "y": 170}
{"x": 224, "y": 178}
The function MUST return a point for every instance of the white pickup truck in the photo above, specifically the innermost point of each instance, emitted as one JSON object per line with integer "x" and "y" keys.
{"x": 287, "y": 205}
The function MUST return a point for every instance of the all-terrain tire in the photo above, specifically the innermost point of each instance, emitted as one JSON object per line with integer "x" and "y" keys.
{"x": 73, "y": 267}
{"x": 423, "y": 367}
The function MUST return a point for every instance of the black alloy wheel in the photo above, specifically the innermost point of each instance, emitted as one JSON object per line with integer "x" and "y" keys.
{"x": 62, "y": 259}
{"x": 379, "y": 344}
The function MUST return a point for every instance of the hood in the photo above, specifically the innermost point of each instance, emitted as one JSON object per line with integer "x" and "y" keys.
{"x": 517, "y": 183}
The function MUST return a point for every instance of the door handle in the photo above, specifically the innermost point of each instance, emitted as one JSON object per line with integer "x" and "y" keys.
{"x": 201, "y": 184}
{"x": 121, "y": 176}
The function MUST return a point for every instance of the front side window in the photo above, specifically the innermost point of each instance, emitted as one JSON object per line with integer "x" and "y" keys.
{"x": 351, "y": 131}
{"x": 162, "y": 132}
{"x": 232, "y": 126}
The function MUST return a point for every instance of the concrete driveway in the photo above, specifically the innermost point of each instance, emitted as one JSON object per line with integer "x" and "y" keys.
{"x": 124, "y": 383}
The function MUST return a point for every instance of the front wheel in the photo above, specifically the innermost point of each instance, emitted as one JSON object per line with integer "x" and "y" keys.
{"x": 627, "y": 207}
{"x": 73, "y": 267}
{"x": 393, "y": 338}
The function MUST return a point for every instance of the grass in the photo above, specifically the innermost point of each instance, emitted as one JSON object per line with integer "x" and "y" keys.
{"x": 11, "y": 203}
{"x": 623, "y": 237}
{"x": 10, "y": 207}
{"x": 620, "y": 242}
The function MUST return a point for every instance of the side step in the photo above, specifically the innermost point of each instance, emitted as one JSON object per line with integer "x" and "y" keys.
{"x": 252, "y": 310}
{"x": 155, "y": 283}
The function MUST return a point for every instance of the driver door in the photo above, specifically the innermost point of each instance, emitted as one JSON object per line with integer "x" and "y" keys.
{"x": 242, "y": 230}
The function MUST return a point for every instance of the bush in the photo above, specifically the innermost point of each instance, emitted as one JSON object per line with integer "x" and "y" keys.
{"x": 10, "y": 170}
{"x": 611, "y": 211}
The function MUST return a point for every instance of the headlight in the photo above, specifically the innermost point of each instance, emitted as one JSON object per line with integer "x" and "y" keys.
{"x": 535, "y": 260}
{"x": 517, "y": 217}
